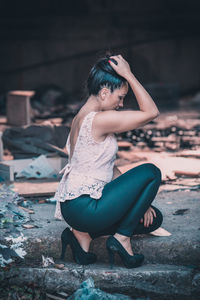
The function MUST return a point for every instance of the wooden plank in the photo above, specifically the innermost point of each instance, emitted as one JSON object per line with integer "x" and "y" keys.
{"x": 187, "y": 173}
{"x": 35, "y": 188}
{"x": 189, "y": 153}
{"x": 170, "y": 138}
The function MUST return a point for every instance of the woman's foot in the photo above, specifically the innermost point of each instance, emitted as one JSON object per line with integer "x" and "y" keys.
{"x": 125, "y": 241}
{"x": 114, "y": 246}
{"x": 80, "y": 256}
{"x": 83, "y": 238}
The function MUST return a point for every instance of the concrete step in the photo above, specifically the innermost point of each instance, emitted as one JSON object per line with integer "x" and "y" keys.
{"x": 166, "y": 250}
{"x": 152, "y": 281}
{"x": 181, "y": 248}
{"x": 171, "y": 269}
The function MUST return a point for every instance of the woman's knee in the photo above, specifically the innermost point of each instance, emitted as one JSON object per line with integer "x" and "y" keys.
{"x": 153, "y": 171}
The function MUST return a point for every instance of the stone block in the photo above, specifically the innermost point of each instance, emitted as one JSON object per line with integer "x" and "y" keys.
{"x": 18, "y": 107}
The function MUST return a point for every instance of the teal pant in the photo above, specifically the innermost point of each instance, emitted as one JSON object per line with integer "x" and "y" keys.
{"x": 123, "y": 203}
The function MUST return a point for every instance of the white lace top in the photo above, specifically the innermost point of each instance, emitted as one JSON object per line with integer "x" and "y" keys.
{"x": 90, "y": 168}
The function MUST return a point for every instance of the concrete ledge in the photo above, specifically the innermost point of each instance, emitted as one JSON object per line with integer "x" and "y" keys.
{"x": 155, "y": 250}
{"x": 160, "y": 281}
{"x": 181, "y": 248}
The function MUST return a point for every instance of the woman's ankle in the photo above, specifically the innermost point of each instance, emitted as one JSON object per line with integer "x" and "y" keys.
{"x": 125, "y": 241}
{"x": 83, "y": 238}
{"x": 81, "y": 234}
{"x": 121, "y": 237}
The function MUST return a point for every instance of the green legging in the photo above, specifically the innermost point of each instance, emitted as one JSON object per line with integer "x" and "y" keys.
{"x": 123, "y": 203}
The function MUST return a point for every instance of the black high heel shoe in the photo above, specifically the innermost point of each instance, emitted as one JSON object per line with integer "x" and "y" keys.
{"x": 79, "y": 255}
{"x": 130, "y": 261}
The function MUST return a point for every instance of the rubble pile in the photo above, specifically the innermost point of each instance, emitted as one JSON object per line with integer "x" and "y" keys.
{"x": 34, "y": 140}
{"x": 172, "y": 143}
{"x": 13, "y": 213}
{"x": 171, "y": 138}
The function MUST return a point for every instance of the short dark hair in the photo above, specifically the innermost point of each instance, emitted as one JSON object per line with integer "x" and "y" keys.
{"x": 102, "y": 74}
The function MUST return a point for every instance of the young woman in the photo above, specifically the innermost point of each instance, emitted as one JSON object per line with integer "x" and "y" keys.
{"x": 93, "y": 197}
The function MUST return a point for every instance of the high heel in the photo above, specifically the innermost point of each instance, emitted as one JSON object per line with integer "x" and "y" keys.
{"x": 130, "y": 261}
{"x": 79, "y": 255}
{"x": 111, "y": 257}
{"x": 65, "y": 240}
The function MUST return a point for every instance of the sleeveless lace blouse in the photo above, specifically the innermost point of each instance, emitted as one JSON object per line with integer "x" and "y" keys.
{"x": 90, "y": 168}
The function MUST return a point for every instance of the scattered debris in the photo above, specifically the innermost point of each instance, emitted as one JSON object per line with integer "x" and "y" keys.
{"x": 171, "y": 166}
{"x": 171, "y": 142}
{"x": 124, "y": 145}
{"x": 25, "y": 292}
{"x": 41, "y": 201}
{"x": 88, "y": 291}
{"x": 63, "y": 294}
{"x": 175, "y": 187}
{"x": 189, "y": 153}
{"x": 51, "y": 200}
{"x": 10, "y": 213}
{"x": 39, "y": 168}
{"x": 47, "y": 261}
{"x": 59, "y": 266}
{"x": 50, "y": 296}
{"x": 35, "y": 140}
{"x": 10, "y": 170}
{"x": 48, "y": 100}
{"x": 181, "y": 211}
{"x": 160, "y": 232}
{"x": 11, "y": 216}
{"x": 5, "y": 255}
{"x": 30, "y": 211}
{"x": 171, "y": 138}
{"x": 14, "y": 250}
{"x": 28, "y": 226}
{"x": 187, "y": 174}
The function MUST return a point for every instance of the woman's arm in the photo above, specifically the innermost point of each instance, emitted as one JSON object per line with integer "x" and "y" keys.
{"x": 116, "y": 172}
{"x": 121, "y": 121}
{"x": 145, "y": 102}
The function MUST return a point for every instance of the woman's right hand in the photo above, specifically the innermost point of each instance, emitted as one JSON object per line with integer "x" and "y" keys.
{"x": 148, "y": 217}
{"x": 122, "y": 67}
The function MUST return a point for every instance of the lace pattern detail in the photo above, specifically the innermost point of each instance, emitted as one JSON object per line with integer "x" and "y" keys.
{"x": 62, "y": 194}
{"x": 89, "y": 157}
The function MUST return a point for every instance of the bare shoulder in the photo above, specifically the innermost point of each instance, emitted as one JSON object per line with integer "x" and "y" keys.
{"x": 112, "y": 121}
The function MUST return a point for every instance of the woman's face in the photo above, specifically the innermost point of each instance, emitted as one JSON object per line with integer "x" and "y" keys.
{"x": 115, "y": 99}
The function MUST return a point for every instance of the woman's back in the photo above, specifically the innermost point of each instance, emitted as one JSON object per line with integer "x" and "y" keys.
{"x": 90, "y": 166}
{"x": 89, "y": 155}
{"x": 75, "y": 129}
